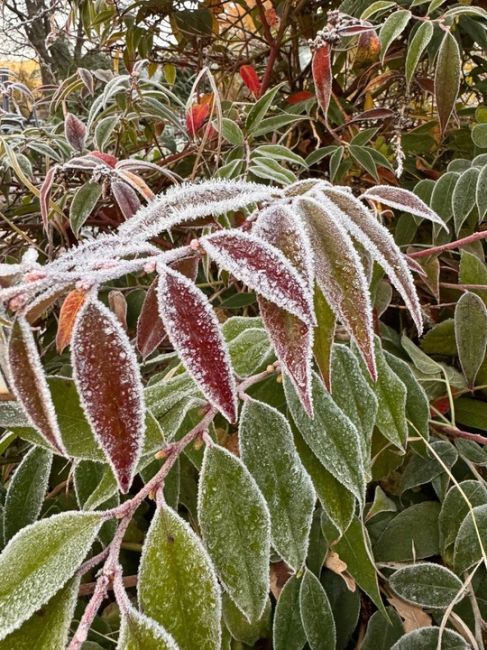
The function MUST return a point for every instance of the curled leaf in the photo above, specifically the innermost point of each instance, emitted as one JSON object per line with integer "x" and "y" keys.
{"x": 67, "y": 317}
{"x": 322, "y": 76}
{"x": 400, "y": 199}
{"x": 110, "y": 388}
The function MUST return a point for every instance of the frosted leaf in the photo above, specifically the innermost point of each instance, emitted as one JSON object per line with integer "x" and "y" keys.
{"x": 139, "y": 632}
{"x": 235, "y": 524}
{"x": 427, "y": 638}
{"x": 401, "y": 199}
{"x": 177, "y": 585}
{"x": 469, "y": 549}
{"x": 239, "y": 627}
{"x": 44, "y": 194}
{"x": 110, "y": 388}
{"x": 339, "y": 272}
{"x": 39, "y": 560}
{"x": 75, "y": 131}
{"x": 316, "y": 613}
{"x": 195, "y": 333}
{"x": 250, "y": 351}
{"x": 43, "y": 301}
{"x": 291, "y": 337}
{"x": 427, "y": 585}
{"x": 29, "y": 383}
{"x": 150, "y": 328}
{"x": 322, "y": 75}
{"x": 26, "y": 490}
{"x": 71, "y": 306}
{"x": 379, "y": 243}
{"x": 126, "y": 198}
{"x": 188, "y": 202}
{"x": 331, "y": 435}
{"x": 288, "y": 632}
{"x": 263, "y": 268}
{"x": 48, "y": 628}
{"x": 268, "y": 451}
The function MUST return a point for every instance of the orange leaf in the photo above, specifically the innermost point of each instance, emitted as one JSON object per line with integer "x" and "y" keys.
{"x": 321, "y": 66}
{"x": 299, "y": 96}
{"x": 250, "y": 79}
{"x": 107, "y": 158}
{"x": 71, "y": 306}
{"x": 196, "y": 117}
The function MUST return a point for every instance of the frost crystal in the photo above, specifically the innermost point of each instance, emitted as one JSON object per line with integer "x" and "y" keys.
{"x": 400, "y": 199}
{"x": 109, "y": 384}
{"x": 195, "y": 334}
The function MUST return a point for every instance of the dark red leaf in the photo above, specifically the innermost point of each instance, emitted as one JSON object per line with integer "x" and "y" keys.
{"x": 107, "y": 158}
{"x": 322, "y": 76}
{"x": 250, "y": 79}
{"x": 126, "y": 198}
{"x": 29, "y": 383}
{"x": 195, "y": 333}
{"x": 75, "y": 131}
{"x": 110, "y": 387}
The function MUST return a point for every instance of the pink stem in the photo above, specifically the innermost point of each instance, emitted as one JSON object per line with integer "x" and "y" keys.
{"x": 435, "y": 250}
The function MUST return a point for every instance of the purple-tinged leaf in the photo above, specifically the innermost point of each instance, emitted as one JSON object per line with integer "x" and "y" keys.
{"x": 44, "y": 193}
{"x": 263, "y": 268}
{"x": 322, "y": 75}
{"x": 447, "y": 78}
{"x": 400, "y": 199}
{"x": 379, "y": 243}
{"x": 373, "y": 114}
{"x": 339, "y": 273}
{"x": 195, "y": 333}
{"x": 75, "y": 131}
{"x": 87, "y": 78}
{"x": 126, "y": 198}
{"x": 291, "y": 337}
{"x": 150, "y": 328}
{"x": 29, "y": 384}
{"x": 110, "y": 388}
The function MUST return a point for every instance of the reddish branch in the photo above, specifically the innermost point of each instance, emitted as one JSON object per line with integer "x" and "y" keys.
{"x": 454, "y": 432}
{"x": 436, "y": 250}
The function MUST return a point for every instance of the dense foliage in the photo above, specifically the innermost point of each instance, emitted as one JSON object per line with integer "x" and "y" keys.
{"x": 244, "y": 328}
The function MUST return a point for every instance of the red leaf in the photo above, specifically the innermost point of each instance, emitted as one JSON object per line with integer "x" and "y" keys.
{"x": 150, "y": 328}
{"x": 321, "y": 66}
{"x": 195, "y": 333}
{"x": 299, "y": 96}
{"x": 250, "y": 79}
{"x": 263, "y": 268}
{"x": 291, "y": 337}
{"x": 44, "y": 193}
{"x": 75, "y": 131}
{"x": 110, "y": 388}
{"x": 67, "y": 317}
{"x": 29, "y": 383}
{"x": 196, "y": 117}
{"x": 107, "y": 158}
{"x": 126, "y": 198}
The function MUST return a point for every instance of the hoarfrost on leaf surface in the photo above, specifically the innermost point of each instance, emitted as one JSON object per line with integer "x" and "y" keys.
{"x": 110, "y": 387}
{"x": 139, "y": 632}
{"x": 401, "y": 199}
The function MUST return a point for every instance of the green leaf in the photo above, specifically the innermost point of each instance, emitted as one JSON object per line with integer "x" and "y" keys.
{"x": 279, "y": 152}
{"x": 48, "y": 628}
{"x": 268, "y": 451}
{"x": 260, "y": 108}
{"x": 417, "y": 404}
{"x": 481, "y": 192}
{"x": 269, "y": 168}
{"x": 410, "y": 535}
{"x": 332, "y": 437}
{"x": 375, "y": 7}
{"x": 353, "y": 549}
{"x": 83, "y": 204}
{"x": 345, "y": 605}
{"x": 353, "y": 395}
{"x": 427, "y": 585}
{"x": 470, "y": 543}
{"x": 364, "y": 159}
{"x": 316, "y": 614}
{"x": 240, "y": 628}
{"x": 338, "y": 502}
{"x": 415, "y": 49}
{"x": 447, "y": 78}
{"x": 231, "y": 131}
{"x": 335, "y": 160}
{"x": 442, "y": 196}
{"x": 464, "y": 196}
{"x": 272, "y": 124}
{"x": 470, "y": 334}
{"x": 471, "y": 413}
{"x": 288, "y": 631}
{"x": 139, "y": 632}
{"x": 26, "y": 490}
{"x": 250, "y": 351}
{"x": 235, "y": 524}
{"x": 103, "y": 131}
{"x": 323, "y": 334}
{"x": 426, "y": 638}
{"x": 391, "y": 395}
{"x": 29, "y": 578}
{"x": 473, "y": 271}
{"x": 440, "y": 340}
{"x": 382, "y": 633}
{"x": 421, "y": 470}
{"x": 392, "y": 28}
{"x": 456, "y": 506}
{"x": 177, "y": 584}
{"x": 479, "y": 135}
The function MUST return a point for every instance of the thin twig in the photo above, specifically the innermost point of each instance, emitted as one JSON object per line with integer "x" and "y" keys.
{"x": 464, "y": 241}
